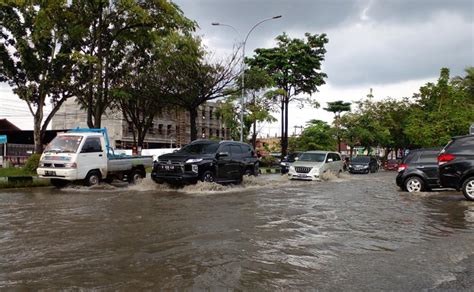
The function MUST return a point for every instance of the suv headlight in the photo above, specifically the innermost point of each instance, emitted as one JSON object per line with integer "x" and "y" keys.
{"x": 193, "y": 160}
{"x": 292, "y": 168}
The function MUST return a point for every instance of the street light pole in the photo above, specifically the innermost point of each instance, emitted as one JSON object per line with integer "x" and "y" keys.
{"x": 244, "y": 42}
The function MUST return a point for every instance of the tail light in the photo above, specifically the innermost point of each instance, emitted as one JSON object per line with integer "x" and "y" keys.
{"x": 445, "y": 158}
{"x": 402, "y": 167}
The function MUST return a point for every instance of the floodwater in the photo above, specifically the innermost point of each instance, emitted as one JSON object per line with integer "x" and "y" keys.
{"x": 349, "y": 233}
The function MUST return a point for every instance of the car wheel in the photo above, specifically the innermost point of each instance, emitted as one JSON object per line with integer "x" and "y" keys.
{"x": 92, "y": 178}
{"x": 414, "y": 184}
{"x": 468, "y": 189}
{"x": 59, "y": 183}
{"x": 208, "y": 176}
{"x": 248, "y": 172}
{"x": 135, "y": 176}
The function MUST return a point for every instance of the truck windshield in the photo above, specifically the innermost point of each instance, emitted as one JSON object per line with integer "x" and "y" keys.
{"x": 200, "y": 148}
{"x": 315, "y": 157}
{"x": 64, "y": 144}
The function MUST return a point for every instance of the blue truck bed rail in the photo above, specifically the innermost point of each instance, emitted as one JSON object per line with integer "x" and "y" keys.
{"x": 103, "y": 131}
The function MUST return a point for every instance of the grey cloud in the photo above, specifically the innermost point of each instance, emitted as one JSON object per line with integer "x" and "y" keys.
{"x": 399, "y": 40}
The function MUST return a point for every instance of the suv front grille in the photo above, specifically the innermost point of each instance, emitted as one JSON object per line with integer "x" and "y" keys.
{"x": 302, "y": 169}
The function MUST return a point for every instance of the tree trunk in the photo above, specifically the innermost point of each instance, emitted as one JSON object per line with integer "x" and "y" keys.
{"x": 192, "y": 123}
{"x": 282, "y": 138}
{"x": 285, "y": 146}
{"x": 254, "y": 135}
{"x": 37, "y": 133}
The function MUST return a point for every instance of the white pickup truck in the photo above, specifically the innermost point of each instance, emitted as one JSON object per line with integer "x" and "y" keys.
{"x": 84, "y": 155}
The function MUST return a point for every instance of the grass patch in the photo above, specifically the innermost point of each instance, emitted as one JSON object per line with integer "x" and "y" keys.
{"x": 15, "y": 171}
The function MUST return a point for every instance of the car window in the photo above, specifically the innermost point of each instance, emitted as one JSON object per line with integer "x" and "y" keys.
{"x": 361, "y": 159}
{"x": 412, "y": 157}
{"x": 200, "y": 148}
{"x": 428, "y": 157}
{"x": 314, "y": 157}
{"x": 246, "y": 150}
{"x": 91, "y": 145}
{"x": 225, "y": 148}
{"x": 236, "y": 150}
{"x": 337, "y": 157}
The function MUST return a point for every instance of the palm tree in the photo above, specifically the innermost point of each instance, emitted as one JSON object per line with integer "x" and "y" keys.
{"x": 337, "y": 107}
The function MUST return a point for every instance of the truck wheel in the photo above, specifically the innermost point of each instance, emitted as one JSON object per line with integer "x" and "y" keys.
{"x": 92, "y": 178}
{"x": 59, "y": 183}
{"x": 468, "y": 188}
{"x": 135, "y": 176}
{"x": 208, "y": 176}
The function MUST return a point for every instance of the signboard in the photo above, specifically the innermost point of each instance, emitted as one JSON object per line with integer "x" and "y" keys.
{"x": 3, "y": 139}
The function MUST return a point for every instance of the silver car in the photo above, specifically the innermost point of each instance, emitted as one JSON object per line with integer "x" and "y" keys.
{"x": 312, "y": 164}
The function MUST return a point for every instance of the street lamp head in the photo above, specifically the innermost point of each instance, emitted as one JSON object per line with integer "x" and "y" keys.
{"x": 215, "y": 23}
{"x": 275, "y": 17}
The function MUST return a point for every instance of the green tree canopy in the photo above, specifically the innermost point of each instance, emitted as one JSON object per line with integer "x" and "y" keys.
{"x": 295, "y": 67}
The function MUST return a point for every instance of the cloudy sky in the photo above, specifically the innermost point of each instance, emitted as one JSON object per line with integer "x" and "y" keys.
{"x": 391, "y": 46}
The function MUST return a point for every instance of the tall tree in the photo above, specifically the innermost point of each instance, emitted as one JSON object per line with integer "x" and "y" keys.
{"x": 317, "y": 135}
{"x": 109, "y": 30}
{"x": 441, "y": 110}
{"x": 194, "y": 79}
{"x": 337, "y": 107}
{"x": 295, "y": 66}
{"x": 36, "y": 57}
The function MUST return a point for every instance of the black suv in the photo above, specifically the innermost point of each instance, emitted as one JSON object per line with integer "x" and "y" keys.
{"x": 205, "y": 160}
{"x": 419, "y": 170}
{"x": 363, "y": 164}
{"x": 456, "y": 165}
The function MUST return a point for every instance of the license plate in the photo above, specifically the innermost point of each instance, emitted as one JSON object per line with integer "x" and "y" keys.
{"x": 50, "y": 173}
{"x": 302, "y": 175}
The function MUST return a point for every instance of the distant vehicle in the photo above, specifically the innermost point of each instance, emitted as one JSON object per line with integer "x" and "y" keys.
{"x": 206, "y": 160}
{"x": 391, "y": 164}
{"x": 287, "y": 161}
{"x": 85, "y": 155}
{"x": 419, "y": 170}
{"x": 363, "y": 164}
{"x": 312, "y": 164}
{"x": 456, "y": 165}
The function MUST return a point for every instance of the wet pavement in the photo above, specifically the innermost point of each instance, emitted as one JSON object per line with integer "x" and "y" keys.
{"x": 350, "y": 233}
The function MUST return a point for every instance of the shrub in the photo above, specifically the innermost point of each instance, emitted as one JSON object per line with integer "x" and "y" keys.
{"x": 32, "y": 163}
{"x": 267, "y": 161}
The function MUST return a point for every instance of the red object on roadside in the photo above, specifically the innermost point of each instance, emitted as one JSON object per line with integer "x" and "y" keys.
{"x": 391, "y": 165}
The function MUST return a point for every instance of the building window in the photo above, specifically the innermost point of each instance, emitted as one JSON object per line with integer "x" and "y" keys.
{"x": 210, "y": 133}
{"x": 211, "y": 114}
{"x": 169, "y": 130}
{"x": 160, "y": 129}
{"x": 152, "y": 128}
{"x": 217, "y": 133}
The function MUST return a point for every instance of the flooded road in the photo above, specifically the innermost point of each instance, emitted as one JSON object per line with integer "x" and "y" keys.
{"x": 350, "y": 233}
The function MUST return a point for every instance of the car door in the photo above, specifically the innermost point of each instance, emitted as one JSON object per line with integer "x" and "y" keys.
{"x": 237, "y": 161}
{"x": 223, "y": 162}
{"x": 428, "y": 164}
{"x": 91, "y": 157}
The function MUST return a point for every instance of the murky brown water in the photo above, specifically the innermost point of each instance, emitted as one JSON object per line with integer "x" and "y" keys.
{"x": 353, "y": 232}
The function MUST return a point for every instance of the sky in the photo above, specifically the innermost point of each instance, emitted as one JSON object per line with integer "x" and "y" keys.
{"x": 391, "y": 46}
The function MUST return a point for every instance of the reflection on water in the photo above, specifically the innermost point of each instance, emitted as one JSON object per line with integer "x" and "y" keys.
{"x": 267, "y": 233}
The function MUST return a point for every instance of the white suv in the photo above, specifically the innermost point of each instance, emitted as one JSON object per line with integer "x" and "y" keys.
{"x": 312, "y": 164}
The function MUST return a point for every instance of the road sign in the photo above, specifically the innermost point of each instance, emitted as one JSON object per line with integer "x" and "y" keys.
{"x": 3, "y": 139}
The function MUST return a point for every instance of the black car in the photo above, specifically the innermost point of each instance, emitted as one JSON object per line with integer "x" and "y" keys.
{"x": 456, "y": 165}
{"x": 205, "y": 160}
{"x": 287, "y": 160}
{"x": 363, "y": 164}
{"x": 418, "y": 171}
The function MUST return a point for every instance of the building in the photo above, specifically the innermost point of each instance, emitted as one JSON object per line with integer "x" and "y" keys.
{"x": 171, "y": 128}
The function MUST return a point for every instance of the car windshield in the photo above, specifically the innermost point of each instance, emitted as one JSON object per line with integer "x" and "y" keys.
{"x": 315, "y": 157}
{"x": 200, "y": 148}
{"x": 64, "y": 144}
{"x": 361, "y": 159}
